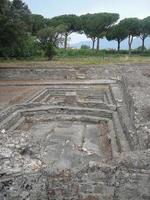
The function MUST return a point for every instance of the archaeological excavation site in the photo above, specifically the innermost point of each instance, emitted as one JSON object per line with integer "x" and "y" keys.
{"x": 75, "y": 133}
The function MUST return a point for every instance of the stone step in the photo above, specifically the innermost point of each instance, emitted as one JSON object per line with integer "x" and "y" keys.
{"x": 17, "y": 124}
{"x": 38, "y": 96}
{"x": 10, "y": 120}
{"x": 54, "y": 82}
{"x": 45, "y": 99}
{"x": 69, "y": 109}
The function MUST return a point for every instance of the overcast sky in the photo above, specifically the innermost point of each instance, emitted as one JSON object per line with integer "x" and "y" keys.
{"x": 126, "y": 8}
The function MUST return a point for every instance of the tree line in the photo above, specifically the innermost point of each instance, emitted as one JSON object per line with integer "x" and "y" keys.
{"x": 24, "y": 34}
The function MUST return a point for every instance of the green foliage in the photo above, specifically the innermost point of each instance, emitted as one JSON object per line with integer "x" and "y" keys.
{"x": 83, "y": 53}
{"x": 49, "y": 51}
{"x": 146, "y": 53}
{"x": 144, "y": 30}
{"x": 25, "y": 49}
{"x": 19, "y": 29}
{"x": 51, "y": 35}
{"x": 84, "y": 46}
{"x": 145, "y": 26}
{"x": 70, "y": 22}
{"x": 80, "y": 53}
{"x": 38, "y": 23}
{"x": 30, "y": 48}
{"x": 49, "y": 38}
{"x": 132, "y": 26}
{"x": 4, "y": 6}
{"x": 140, "y": 48}
{"x": 21, "y": 15}
{"x": 96, "y": 25}
{"x": 15, "y": 19}
{"x": 118, "y": 33}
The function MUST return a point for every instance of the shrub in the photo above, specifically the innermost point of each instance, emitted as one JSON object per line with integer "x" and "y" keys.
{"x": 140, "y": 48}
{"x": 84, "y": 46}
{"x": 26, "y": 48}
{"x": 49, "y": 51}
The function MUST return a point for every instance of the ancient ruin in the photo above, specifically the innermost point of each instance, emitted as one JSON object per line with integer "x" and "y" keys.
{"x": 75, "y": 133}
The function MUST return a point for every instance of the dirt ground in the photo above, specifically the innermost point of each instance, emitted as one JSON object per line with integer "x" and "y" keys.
{"x": 11, "y": 95}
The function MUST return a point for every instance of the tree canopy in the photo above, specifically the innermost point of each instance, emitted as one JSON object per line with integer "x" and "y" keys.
{"x": 132, "y": 27}
{"x": 118, "y": 33}
{"x": 71, "y": 23}
{"x": 38, "y": 23}
{"x": 15, "y": 21}
{"x": 96, "y": 25}
{"x": 51, "y": 35}
{"x": 144, "y": 30}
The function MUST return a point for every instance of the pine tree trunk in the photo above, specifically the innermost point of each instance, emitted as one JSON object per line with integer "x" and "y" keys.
{"x": 65, "y": 43}
{"x": 118, "y": 46}
{"x": 130, "y": 39}
{"x": 97, "y": 44}
{"x": 93, "y": 44}
{"x": 143, "y": 44}
{"x": 129, "y": 49}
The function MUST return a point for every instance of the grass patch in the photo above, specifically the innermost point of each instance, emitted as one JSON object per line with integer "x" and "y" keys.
{"x": 94, "y": 60}
{"x": 84, "y": 57}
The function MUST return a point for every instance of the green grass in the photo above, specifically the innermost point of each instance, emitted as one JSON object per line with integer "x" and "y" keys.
{"x": 61, "y": 53}
{"x": 94, "y": 60}
{"x": 84, "y": 57}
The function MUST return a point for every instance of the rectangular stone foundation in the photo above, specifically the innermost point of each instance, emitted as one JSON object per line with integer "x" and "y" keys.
{"x": 65, "y": 141}
{"x": 90, "y": 111}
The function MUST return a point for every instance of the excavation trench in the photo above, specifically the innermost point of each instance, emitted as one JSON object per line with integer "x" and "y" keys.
{"x": 63, "y": 130}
